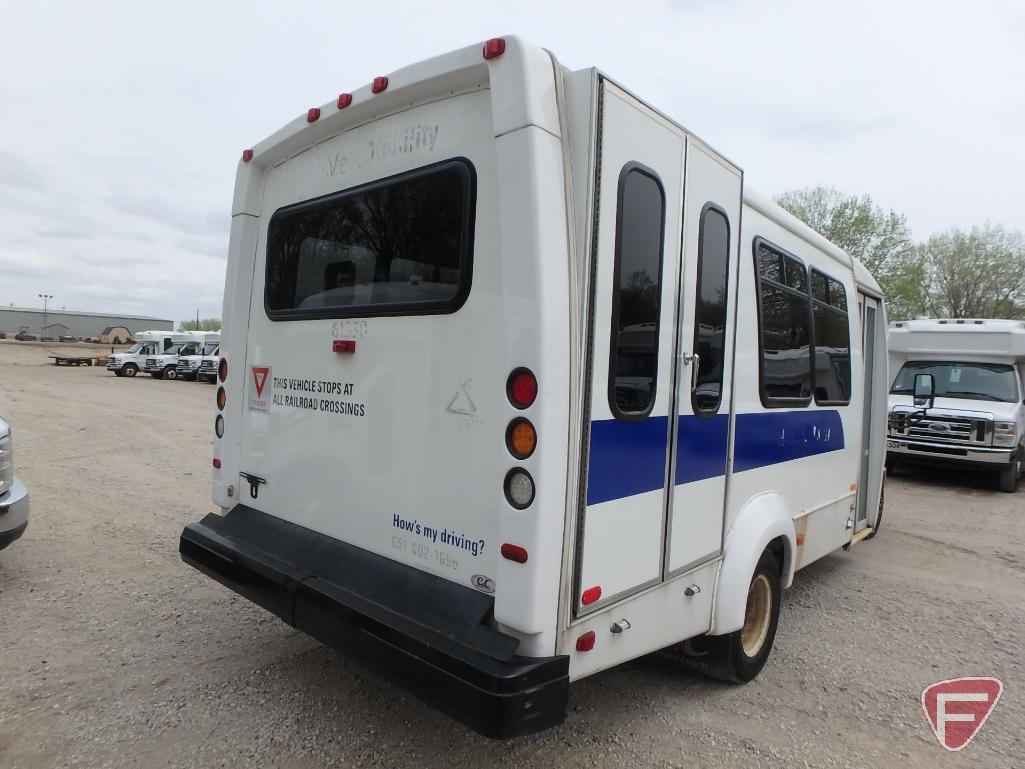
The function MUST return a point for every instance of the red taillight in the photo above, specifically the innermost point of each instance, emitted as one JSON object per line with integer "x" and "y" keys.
{"x": 344, "y": 100}
{"x": 379, "y": 84}
{"x": 222, "y": 369}
{"x": 343, "y": 345}
{"x": 313, "y": 114}
{"x": 247, "y": 155}
{"x": 521, "y": 388}
{"x": 217, "y": 463}
{"x": 591, "y": 595}
{"x": 586, "y": 642}
{"x": 514, "y": 553}
{"x": 494, "y": 48}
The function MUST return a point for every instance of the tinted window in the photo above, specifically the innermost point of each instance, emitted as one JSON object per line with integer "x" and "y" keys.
{"x": 636, "y": 298}
{"x": 786, "y": 333}
{"x": 832, "y": 341}
{"x": 710, "y": 310}
{"x": 399, "y": 246}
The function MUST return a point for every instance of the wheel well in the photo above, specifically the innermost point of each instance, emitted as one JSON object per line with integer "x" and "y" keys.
{"x": 778, "y": 548}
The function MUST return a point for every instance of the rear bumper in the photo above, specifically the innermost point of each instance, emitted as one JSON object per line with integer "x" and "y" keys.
{"x": 13, "y": 513}
{"x": 434, "y": 638}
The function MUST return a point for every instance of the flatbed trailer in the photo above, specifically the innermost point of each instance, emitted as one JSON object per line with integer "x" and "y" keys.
{"x": 73, "y": 360}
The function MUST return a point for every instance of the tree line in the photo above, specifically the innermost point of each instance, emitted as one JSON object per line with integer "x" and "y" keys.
{"x": 979, "y": 273}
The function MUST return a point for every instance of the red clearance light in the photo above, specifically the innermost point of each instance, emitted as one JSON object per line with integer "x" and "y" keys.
{"x": 514, "y": 553}
{"x": 494, "y": 48}
{"x": 379, "y": 84}
{"x": 222, "y": 369}
{"x": 217, "y": 463}
{"x": 521, "y": 388}
{"x": 343, "y": 345}
{"x": 247, "y": 155}
{"x": 591, "y": 595}
{"x": 344, "y": 100}
{"x": 586, "y": 642}
{"x": 313, "y": 114}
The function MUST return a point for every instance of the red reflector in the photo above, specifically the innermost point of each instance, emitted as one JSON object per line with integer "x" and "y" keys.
{"x": 222, "y": 369}
{"x": 586, "y": 642}
{"x": 343, "y": 345}
{"x": 521, "y": 388}
{"x": 247, "y": 155}
{"x": 217, "y": 463}
{"x": 591, "y": 595}
{"x": 379, "y": 84}
{"x": 514, "y": 553}
{"x": 494, "y": 48}
{"x": 344, "y": 100}
{"x": 313, "y": 114}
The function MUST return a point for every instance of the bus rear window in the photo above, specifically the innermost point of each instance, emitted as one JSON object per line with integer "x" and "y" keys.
{"x": 399, "y": 246}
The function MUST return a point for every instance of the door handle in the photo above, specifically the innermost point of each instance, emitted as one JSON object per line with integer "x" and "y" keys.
{"x": 693, "y": 360}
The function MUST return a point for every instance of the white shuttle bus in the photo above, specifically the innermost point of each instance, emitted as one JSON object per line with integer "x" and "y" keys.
{"x": 519, "y": 382}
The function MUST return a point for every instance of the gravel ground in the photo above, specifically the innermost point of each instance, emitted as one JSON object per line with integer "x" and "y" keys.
{"x": 114, "y": 653}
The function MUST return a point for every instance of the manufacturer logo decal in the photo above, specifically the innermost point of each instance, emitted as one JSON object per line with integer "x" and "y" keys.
{"x": 939, "y": 427}
{"x": 260, "y": 396}
{"x": 482, "y": 583}
{"x": 957, "y": 708}
{"x": 461, "y": 403}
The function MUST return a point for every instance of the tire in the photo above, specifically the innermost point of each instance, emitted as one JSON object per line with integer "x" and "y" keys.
{"x": 170, "y": 373}
{"x": 118, "y": 373}
{"x": 157, "y": 374}
{"x": 1009, "y": 476}
{"x": 189, "y": 377}
{"x": 130, "y": 369}
{"x": 728, "y": 656}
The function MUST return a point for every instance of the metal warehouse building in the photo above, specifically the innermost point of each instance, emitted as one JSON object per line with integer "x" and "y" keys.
{"x": 57, "y": 323}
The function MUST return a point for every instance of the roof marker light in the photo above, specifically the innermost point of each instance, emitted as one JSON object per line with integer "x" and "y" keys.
{"x": 591, "y": 595}
{"x": 247, "y": 155}
{"x": 344, "y": 100}
{"x": 514, "y": 553}
{"x": 379, "y": 84}
{"x": 313, "y": 114}
{"x": 586, "y": 642}
{"x": 494, "y": 48}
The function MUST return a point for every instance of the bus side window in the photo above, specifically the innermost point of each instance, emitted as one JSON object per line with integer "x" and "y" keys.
{"x": 832, "y": 339}
{"x": 636, "y": 293}
{"x": 710, "y": 308}
{"x": 784, "y": 317}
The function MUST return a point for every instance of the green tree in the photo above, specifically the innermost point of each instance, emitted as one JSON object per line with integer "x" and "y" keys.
{"x": 207, "y": 324}
{"x": 879, "y": 239}
{"x": 974, "y": 274}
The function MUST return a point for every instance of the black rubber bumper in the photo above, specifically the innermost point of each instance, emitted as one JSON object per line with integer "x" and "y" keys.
{"x": 432, "y": 637}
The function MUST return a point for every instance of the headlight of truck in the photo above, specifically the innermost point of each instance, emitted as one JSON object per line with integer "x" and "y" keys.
{"x": 6, "y": 462}
{"x": 1005, "y": 434}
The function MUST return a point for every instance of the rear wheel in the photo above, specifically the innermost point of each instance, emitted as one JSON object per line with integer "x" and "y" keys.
{"x": 741, "y": 655}
{"x": 130, "y": 369}
{"x": 170, "y": 373}
{"x": 1009, "y": 476}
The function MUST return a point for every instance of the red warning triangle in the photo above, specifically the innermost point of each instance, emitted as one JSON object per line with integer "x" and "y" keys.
{"x": 260, "y": 378}
{"x": 957, "y": 708}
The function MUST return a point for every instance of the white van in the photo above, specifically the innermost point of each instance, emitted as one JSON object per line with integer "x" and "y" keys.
{"x": 165, "y": 365}
{"x": 202, "y": 365}
{"x": 968, "y": 412}
{"x": 511, "y": 392}
{"x": 146, "y": 344}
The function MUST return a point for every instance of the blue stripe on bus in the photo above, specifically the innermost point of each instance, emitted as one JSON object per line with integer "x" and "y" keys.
{"x": 628, "y": 458}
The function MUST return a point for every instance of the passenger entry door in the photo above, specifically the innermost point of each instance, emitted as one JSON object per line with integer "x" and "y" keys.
{"x": 636, "y": 273}
{"x": 704, "y": 385}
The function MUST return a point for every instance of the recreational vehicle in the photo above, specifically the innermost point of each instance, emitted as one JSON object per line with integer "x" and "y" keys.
{"x": 967, "y": 411}
{"x": 520, "y": 381}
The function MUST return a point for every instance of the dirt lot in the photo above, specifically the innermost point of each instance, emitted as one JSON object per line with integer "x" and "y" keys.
{"x": 114, "y": 653}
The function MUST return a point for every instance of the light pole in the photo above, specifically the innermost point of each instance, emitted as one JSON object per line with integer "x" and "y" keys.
{"x": 46, "y": 298}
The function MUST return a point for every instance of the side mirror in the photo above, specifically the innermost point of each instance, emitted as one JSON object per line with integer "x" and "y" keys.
{"x": 924, "y": 388}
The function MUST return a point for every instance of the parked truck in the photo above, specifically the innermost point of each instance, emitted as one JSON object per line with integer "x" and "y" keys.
{"x": 146, "y": 344}
{"x": 165, "y": 365}
{"x": 956, "y": 395}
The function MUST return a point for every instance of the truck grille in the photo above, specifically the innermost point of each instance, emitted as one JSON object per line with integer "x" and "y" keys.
{"x": 940, "y": 429}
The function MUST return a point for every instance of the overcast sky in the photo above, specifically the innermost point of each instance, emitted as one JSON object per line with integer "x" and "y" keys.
{"x": 121, "y": 123}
